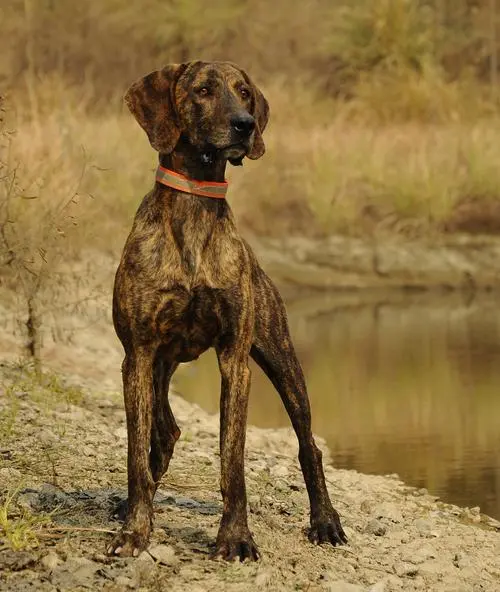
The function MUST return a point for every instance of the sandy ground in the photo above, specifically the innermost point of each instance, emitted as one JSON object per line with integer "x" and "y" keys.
{"x": 63, "y": 470}
{"x": 63, "y": 455}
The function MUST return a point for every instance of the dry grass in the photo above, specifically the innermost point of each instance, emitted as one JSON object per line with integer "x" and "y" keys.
{"x": 382, "y": 115}
{"x": 19, "y": 529}
{"x": 330, "y": 171}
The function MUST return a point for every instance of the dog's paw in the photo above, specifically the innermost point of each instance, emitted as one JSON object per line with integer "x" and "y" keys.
{"x": 241, "y": 548}
{"x": 127, "y": 544}
{"x": 327, "y": 530}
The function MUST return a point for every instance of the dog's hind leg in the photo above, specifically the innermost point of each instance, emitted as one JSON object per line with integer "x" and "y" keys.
{"x": 273, "y": 351}
{"x": 165, "y": 431}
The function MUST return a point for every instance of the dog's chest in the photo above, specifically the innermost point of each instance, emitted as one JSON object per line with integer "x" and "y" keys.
{"x": 188, "y": 322}
{"x": 181, "y": 285}
{"x": 207, "y": 259}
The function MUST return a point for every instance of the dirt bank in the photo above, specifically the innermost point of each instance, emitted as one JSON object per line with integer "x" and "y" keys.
{"x": 338, "y": 262}
{"x": 63, "y": 461}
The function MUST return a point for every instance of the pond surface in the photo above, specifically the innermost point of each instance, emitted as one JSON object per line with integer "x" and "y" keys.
{"x": 398, "y": 384}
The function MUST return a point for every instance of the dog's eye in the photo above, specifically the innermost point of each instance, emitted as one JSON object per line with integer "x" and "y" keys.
{"x": 244, "y": 93}
{"x": 203, "y": 91}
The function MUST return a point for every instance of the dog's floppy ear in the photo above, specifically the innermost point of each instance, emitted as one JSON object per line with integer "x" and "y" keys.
{"x": 260, "y": 112}
{"x": 151, "y": 101}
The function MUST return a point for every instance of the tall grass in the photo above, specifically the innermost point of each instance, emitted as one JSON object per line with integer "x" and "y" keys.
{"x": 382, "y": 118}
{"x": 326, "y": 170}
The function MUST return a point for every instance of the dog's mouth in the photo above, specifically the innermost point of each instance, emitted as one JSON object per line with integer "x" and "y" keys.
{"x": 234, "y": 152}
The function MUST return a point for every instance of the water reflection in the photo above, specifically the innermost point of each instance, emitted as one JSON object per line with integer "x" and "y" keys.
{"x": 408, "y": 386}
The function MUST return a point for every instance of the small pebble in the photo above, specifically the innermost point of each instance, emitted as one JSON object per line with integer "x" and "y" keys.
{"x": 164, "y": 554}
{"x": 50, "y": 561}
{"x": 375, "y": 527}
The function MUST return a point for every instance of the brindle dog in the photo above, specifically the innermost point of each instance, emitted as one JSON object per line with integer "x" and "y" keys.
{"x": 187, "y": 281}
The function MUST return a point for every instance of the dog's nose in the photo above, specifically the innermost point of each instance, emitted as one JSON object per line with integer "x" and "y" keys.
{"x": 243, "y": 124}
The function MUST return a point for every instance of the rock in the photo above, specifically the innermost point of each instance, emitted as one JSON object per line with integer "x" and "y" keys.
{"x": 417, "y": 554}
{"x": 472, "y": 514}
{"x": 462, "y": 561}
{"x": 424, "y": 528}
{"x": 401, "y": 536}
{"x": 279, "y": 471}
{"x": 340, "y": 586}
{"x": 75, "y": 572}
{"x": 51, "y": 560}
{"x": 405, "y": 569}
{"x": 121, "y": 432}
{"x": 389, "y": 511}
{"x": 254, "y": 504}
{"x": 15, "y": 560}
{"x": 28, "y": 499}
{"x": 208, "y": 508}
{"x": 46, "y": 436}
{"x": 388, "y": 584}
{"x": 492, "y": 523}
{"x": 9, "y": 473}
{"x": 124, "y": 582}
{"x": 264, "y": 576}
{"x": 164, "y": 554}
{"x": 88, "y": 450}
{"x": 433, "y": 570}
{"x": 164, "y": 497}
{"x": 375, "y": 527}
{"x": 142, "y": 572}
{"x": 145, "y": 556}
{"x": 281, "y": 485}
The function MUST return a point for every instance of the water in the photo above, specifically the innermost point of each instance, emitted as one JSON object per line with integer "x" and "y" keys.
{"x": 398, "y": 384}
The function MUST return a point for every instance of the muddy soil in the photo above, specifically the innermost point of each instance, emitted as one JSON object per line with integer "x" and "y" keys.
{"x": 63, "y": 471}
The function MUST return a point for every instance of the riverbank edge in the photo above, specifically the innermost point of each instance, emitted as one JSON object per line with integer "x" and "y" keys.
{"x": 455, "y": 262}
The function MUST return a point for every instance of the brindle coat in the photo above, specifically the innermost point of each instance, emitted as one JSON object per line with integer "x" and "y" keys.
{"x": 187, "y": 281}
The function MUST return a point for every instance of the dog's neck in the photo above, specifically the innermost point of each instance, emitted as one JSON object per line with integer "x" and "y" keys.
{"x": 194, "y": 164}
{"x": 192, "y": 219}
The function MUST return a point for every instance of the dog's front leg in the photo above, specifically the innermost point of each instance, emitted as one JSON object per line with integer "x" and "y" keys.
{"x": 138, "y": 391}
{"x": 234, "y": 539}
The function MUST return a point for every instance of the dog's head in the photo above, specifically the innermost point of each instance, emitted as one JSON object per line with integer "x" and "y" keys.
{"x": 214, "y": 105}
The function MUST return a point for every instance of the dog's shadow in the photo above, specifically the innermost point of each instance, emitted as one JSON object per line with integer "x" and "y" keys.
{"x": 163, "y": 499}
{"x": 102, "y": 507}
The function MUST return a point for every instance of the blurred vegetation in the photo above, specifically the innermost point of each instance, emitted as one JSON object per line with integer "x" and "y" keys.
{"x": 384, "y": 112}
{"x": 332, "y": 45}
{"x": 39, "y": 204}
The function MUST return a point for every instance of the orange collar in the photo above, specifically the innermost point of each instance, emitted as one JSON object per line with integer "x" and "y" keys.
{"x": 182, "y": 183}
